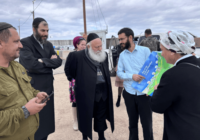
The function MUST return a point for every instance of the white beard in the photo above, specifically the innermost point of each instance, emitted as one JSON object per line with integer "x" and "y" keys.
{"x": 99, "y": 56}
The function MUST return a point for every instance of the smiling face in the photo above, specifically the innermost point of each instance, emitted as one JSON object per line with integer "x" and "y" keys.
{"x": 81, "y": 45}
{"x": 41, "y": 33}
{"x": 10, "y": 49}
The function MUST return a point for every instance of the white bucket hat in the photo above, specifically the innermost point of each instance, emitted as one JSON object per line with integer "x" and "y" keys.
{"x": 178, "y": 41}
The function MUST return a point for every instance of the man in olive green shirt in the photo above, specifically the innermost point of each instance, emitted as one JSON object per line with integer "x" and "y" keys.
{"x": 19, "y": 101}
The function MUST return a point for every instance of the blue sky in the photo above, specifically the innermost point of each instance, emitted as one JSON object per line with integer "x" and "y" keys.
{"x": 65, "y": 17}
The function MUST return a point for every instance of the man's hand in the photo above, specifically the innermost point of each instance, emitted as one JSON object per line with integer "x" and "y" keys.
{"x": 40, "y": 60}
{"x": 41, "y": 96}
{"x": 34, "y": 107}
{"x": 54, "y": 57}
{"x": 156, "y": 86}
{"x": 137, "y": 77}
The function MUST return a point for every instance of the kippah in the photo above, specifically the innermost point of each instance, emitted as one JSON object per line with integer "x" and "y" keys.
{"x": 37, "y": 21}
{"x": 4, "y": 25}
{"x": 91, "y": 37}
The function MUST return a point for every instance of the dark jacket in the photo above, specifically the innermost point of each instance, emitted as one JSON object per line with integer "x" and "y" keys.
{"x": 42, "y": 78}
{"x": 80, "y": 68}
{"x": 178, "y": 97}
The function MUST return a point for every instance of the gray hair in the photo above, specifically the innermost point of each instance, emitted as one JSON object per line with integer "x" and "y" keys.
{"x": 89, "y": 44}
{"x": 5, "y": 34}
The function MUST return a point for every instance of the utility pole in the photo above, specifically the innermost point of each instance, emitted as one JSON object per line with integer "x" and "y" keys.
{"x": 33, "y": 10}
{"x": 84, "y": 18}
{"x": 19, "y": 28}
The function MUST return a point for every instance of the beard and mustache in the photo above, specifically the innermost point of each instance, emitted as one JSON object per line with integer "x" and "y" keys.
{"x": 127, "y": 45}
{"x": 98, "y": 56}
{"x": 39, "y": 37}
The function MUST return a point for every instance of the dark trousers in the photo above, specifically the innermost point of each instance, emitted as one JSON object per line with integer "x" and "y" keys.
{"x": 99, "y": 115}
{"x": 138, "y": 106}
{"x": 73, "y": 104}
{"x": 45, "y": 138}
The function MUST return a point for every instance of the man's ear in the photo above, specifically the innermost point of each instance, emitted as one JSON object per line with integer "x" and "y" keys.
{"x": 130, "y": 38}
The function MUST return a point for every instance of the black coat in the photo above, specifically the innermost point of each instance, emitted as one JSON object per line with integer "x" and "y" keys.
{"x": 42, "y": 78}
{"x": 178, "y": 97}
{"x": 85, "y": 73}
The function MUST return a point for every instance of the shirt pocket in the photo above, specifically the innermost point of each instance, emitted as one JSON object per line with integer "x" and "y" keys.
{"x": 8, "y": 90}
{"x": 26, "y": 87}
{"x": 8, "y": 96}
{"x": 26, "y": 82}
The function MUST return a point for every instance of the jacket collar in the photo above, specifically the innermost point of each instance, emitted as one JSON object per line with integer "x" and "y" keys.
{"x": 191, "y": 59}
{"x": 184, "y": 57}
{"x": 38, "y": 47}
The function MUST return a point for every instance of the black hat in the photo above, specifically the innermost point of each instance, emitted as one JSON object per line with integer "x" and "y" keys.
{"x": 91, "y": 37}
{"x": 4, "y": 25}
{"x": 37, "y": 21}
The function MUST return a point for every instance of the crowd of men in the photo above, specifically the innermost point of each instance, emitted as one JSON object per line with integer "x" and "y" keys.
{"x": 25, "y": 114}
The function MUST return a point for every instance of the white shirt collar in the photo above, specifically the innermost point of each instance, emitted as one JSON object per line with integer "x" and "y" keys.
{"x": 184, "y": 57}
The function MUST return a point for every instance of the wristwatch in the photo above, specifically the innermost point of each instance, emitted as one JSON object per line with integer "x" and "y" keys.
{"x": 26, "y": 112}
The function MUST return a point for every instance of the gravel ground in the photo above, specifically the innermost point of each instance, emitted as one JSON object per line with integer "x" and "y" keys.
{"x": 64, "y": 119}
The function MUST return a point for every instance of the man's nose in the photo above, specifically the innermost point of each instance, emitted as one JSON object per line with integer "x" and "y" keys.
{"x": 20, "y": 45}
{"x": 46, "y": 33}
{"x": 100, "y": 48}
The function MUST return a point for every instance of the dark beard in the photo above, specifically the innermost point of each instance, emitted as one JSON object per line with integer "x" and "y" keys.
{"x": 127, "y": 45}
{"x": 39, "y": 37}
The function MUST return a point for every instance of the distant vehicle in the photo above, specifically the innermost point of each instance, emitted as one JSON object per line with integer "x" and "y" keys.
{"x": 70, "y": 47}
{"x": 57, "y": 48}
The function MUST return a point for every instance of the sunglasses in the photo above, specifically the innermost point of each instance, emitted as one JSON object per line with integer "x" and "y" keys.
{"x": 81, "y": 38}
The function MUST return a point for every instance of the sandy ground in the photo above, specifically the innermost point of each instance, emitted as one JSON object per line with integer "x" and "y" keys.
{"x": 64, "y": 119}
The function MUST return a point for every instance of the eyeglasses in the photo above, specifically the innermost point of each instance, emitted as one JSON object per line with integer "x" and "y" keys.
{"x": 120, "y": 39}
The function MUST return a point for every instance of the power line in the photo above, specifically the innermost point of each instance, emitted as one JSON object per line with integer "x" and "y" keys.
{"x": 98, "y": 16}
{"x": 26, "y": 19}
{"x": 38, "y": 5}
{"x": 102, "y": 13}
{"x": 94, "y": 13}
{"x": 31, "y": 13}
